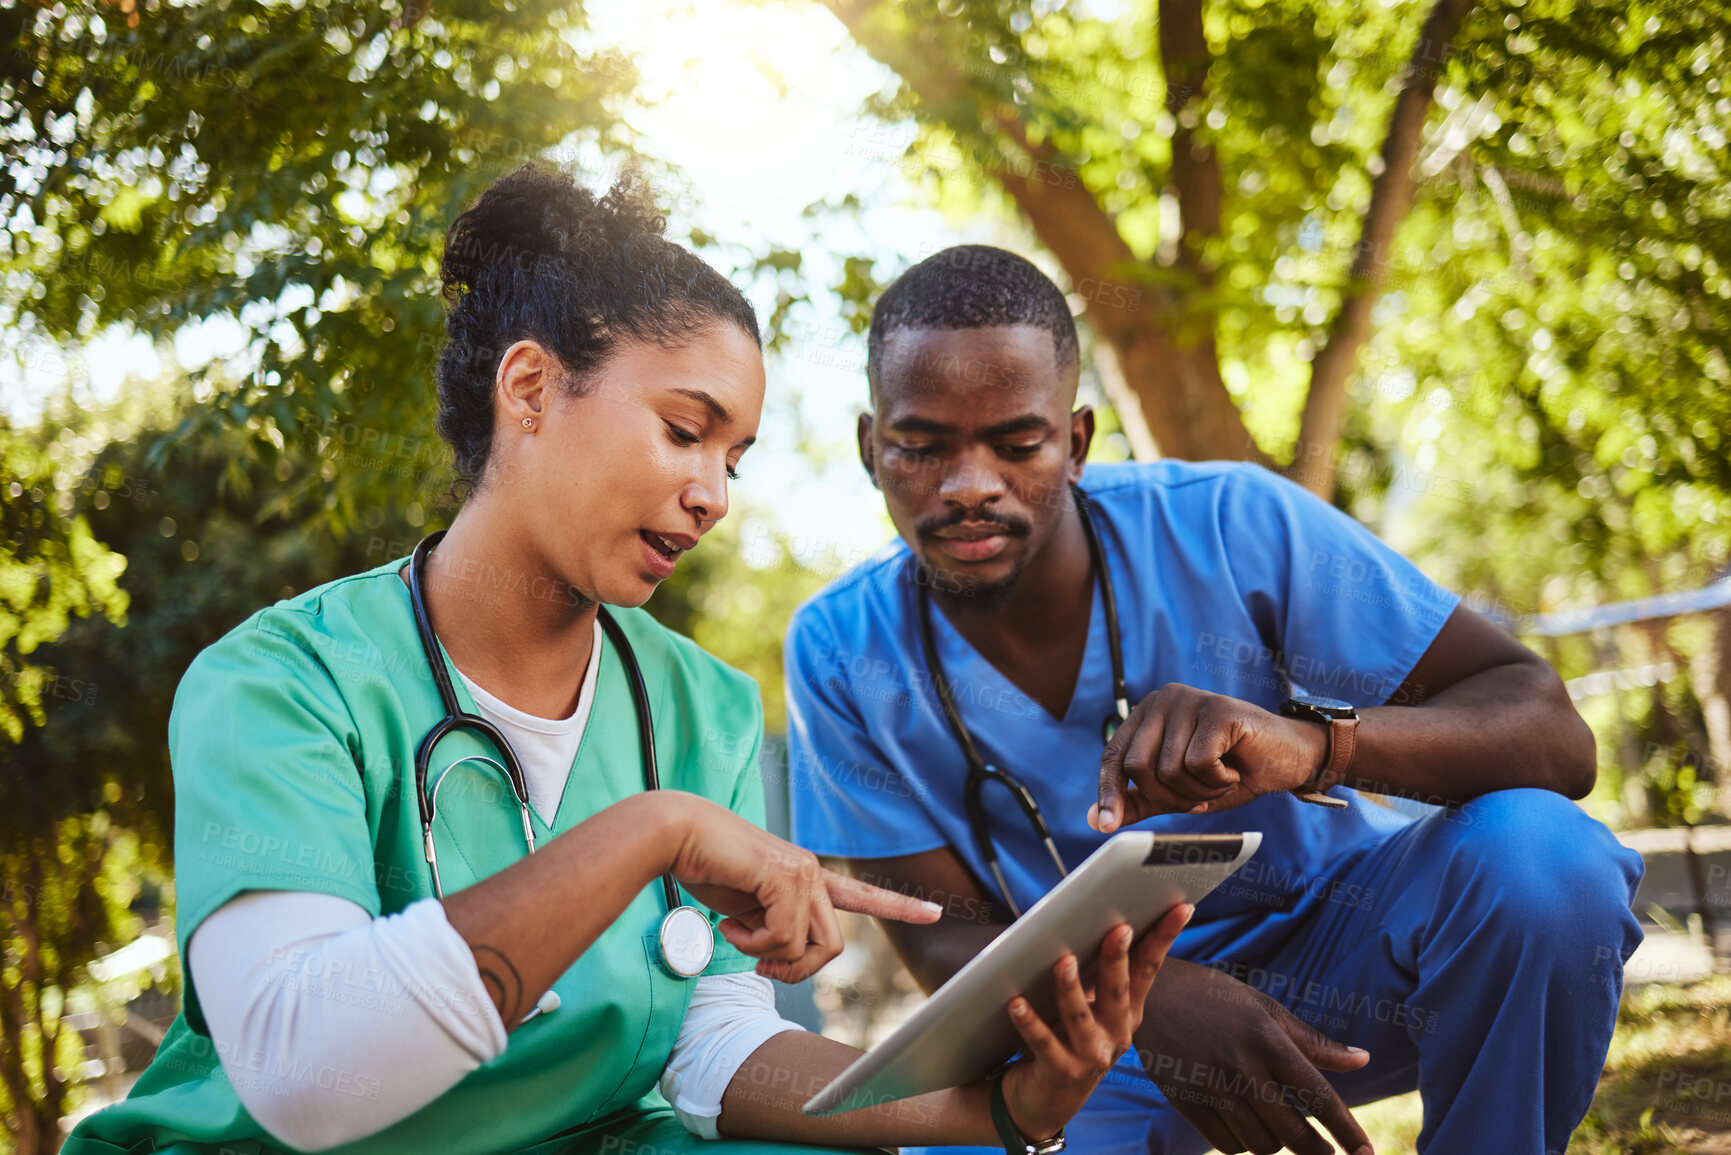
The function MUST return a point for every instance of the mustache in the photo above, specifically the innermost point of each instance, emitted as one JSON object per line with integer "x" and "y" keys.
{"x": 1009, "y": 523}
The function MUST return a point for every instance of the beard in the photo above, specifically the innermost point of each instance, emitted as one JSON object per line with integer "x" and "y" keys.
{"x": 967, "y": 593}
{"x": 959, "y": 590}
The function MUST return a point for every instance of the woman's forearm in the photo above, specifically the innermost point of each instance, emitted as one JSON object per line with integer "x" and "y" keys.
{"x": 295, "y": 982}
{"x": 529, "y": 922}
{"x": 763, "y": 1101}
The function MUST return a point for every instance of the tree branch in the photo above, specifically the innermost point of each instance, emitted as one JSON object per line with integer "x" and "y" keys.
{"x": 1186, "y": 59}
{"x": 1070, "y": 222}
{"x": 1184, "y": 401}
{"x": 1390, "y": 197}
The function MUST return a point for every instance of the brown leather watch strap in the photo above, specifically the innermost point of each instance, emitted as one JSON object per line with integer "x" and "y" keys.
{"x": 1342, "y": 743}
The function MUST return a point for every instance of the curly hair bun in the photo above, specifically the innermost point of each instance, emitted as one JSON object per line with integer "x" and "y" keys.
{"x": 537, "y": 213}
{"x": 539, "y": 257}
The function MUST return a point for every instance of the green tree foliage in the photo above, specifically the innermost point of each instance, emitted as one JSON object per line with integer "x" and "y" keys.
{"x": 86, "y": 795}
{"x": 1553, "y": 414}
{"x": 67, "y": 895}
{"x": 52, "y": 567}
{"x": 1466, "y": 269}
{"x": 290, "y": 168}
{"x": 1574, "y": 359}
{"x": 1230, "y": 184}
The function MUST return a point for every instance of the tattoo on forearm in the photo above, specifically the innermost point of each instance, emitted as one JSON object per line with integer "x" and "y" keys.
{"x": 504, "y": 985}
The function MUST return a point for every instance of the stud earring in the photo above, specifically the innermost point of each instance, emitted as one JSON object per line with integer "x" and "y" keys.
{"x": 528, "y": 423}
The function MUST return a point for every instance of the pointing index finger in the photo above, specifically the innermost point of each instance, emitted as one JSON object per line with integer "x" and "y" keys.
{"x": 863, "y": 898}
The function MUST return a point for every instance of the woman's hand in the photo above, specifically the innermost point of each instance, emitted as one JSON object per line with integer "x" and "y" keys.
{"x": 779, "y": 901}
{"x": 1045, "y": 1090}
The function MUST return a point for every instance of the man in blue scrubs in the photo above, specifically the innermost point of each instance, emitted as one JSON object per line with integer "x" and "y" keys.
{"x": 1474, "y": 953}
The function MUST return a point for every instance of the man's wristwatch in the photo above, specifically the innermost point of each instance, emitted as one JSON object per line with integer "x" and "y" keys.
{"x": 1342, "y": 722}
{"x": 1015, "y": 1143}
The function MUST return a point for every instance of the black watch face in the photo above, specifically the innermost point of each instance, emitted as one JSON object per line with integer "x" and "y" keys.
{"x": 1321, "y": 703}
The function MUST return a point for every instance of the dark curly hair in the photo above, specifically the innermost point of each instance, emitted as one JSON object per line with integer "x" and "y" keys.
{"x": 972, "y": 287}
{"x": 540, "y": 257}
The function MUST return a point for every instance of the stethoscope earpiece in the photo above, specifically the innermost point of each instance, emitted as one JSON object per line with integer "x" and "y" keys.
{"x": 545, "y": 1005}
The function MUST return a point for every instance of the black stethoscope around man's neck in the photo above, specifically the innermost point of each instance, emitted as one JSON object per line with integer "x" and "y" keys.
{"x": 979, "y": 771}
{"x": 686, "y": 939}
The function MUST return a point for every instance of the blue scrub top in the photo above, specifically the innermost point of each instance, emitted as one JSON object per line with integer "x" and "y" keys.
{"x": 1228, "y": 578}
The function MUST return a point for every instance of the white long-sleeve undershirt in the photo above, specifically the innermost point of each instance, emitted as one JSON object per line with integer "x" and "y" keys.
{"x": 332, "y": 1025}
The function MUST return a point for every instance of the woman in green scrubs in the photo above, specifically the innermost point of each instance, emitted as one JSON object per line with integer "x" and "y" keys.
{"x": 598, "y": 387}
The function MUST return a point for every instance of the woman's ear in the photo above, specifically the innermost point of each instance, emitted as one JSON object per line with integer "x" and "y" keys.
{"x": 523, "y": 383}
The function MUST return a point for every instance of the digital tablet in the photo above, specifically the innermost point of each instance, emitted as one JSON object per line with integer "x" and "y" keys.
{"x": 963, "y": 1031}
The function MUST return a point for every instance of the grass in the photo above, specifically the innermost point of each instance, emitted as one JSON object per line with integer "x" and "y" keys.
{"x": 1667, "y": 1083}
{"x": 1666, "y": 1088}
{"x": 1393, "y": 1124}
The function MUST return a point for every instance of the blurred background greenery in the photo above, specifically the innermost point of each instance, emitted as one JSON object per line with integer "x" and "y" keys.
{"x": 1464, "y": 270}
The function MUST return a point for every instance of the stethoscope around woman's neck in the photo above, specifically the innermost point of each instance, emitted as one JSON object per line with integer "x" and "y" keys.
{"x": 979, "y": 771}
{"x": 686, "y": 939}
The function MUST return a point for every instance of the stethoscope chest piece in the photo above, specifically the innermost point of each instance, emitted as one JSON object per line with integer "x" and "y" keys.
{"x": 686, "y": 941}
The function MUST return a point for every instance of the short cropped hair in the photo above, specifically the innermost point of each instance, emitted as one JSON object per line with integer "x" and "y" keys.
{"x": 972, "y": 287}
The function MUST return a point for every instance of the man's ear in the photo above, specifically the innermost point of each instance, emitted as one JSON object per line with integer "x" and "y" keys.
{"x": 1081, "y": 437}
{"x": 864, "y": 433}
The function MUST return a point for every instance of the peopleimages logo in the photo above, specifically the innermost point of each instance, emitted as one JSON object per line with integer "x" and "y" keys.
{"x": 1260, "y": 879}
{"x": 877, "y": 678}
{"x": 1329, "y": 1007}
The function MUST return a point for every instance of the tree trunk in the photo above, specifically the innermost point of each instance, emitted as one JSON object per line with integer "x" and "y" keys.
{"x": 1710, "y": 681}
{"x": 1125, "y": 400}
{"x": 35, "y": 1120}
{"x": 1165, "y": 353}
{"x": 1390, "y": 197}
{"x": 1175, "y": 377}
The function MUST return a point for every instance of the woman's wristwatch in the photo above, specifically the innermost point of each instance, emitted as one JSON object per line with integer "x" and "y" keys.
{"x": 1341, "y": 719}
{"x": 1016, "y": 1143}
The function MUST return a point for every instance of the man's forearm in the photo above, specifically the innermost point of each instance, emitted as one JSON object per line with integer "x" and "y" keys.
{"x": 946, "y": 948}
{"x": 935, "y": 951}
{"x": 1504, "y": 727}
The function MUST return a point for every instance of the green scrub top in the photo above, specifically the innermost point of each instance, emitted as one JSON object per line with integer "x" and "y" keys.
{"x": 293, "y": 745}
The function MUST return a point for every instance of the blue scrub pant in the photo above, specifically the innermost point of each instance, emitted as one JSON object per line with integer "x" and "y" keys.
{"x": 1486, "y": 976}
